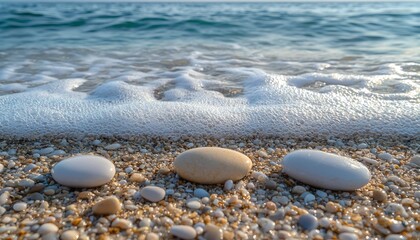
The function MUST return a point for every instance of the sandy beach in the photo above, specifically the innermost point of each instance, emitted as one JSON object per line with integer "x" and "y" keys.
{"x": 388, "y": 207}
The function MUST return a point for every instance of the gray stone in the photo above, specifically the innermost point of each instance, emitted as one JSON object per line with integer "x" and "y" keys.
{"x": 308, "y": 222}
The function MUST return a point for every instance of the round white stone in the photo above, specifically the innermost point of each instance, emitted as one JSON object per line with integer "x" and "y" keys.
{"x": 195, "y": 205}
{"x": 183, "y": 232}
{"x": 20, "y": 206}
{"x": 70, "y": 235}
{"x": 83, "y": 171}
{"x": 212, "y": 165}
{"x": 47, "y": 228}
{"x": 153, "y": 193}
{"x": 326, "y": 170}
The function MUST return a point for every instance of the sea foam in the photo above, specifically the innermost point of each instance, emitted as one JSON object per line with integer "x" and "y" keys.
{"x": 185, "y": 103}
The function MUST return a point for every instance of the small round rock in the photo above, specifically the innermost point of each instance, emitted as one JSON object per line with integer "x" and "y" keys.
{"x": 348, "y": 236}
{"x": 212, "y": 165}
{"x": 213, "y": 232}
{"x": 47, "y": 228}
{"x": 379, "y": 195}
{"x": 200, "y": 193}
{"x": 308, "y": 222}
{"x": 20, "y": 206}
{"x": 107, "y": 206}
{"x": 83, "y": 171}
{"x": 183, "y": 232}
{"x": 153, "y": 193}
{"x": 70, "y": 235}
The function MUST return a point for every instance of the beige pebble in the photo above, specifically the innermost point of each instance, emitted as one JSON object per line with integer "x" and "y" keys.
{"x": 213, "y": 232}
{"x": 70, "y": 235}
{"x": 212, "y": 165}
{"x": 152, "y": 236}
{"x": 332, "y": 207}
{"x": 85, "y": 195}
{"x": 122, "y": 224}
{"x": 379, "y": 195}
{"x": 271, "y": 206}
{"x": 110, "y": 205}
{"x": 137, "y": 177}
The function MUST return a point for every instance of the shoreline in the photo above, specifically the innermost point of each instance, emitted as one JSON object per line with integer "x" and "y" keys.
{"x": 241, "y": 209}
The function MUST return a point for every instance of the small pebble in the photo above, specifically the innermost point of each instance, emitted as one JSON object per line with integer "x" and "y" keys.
{"x": 70, "y": 235}
{"x": 298, "y": 189}
{"x": 108, "y": 206}
{"x": 213, "y": 232}
{"x": 195, "y": 205}
{"x": 228, "y": 185}
{"x": 152, "y": 236}
{"x": 26, "y": 183}
{"x": 47, "y": 228}
{"x": 20, "y": 206}
{"x": 309, "y": 198}
{"x": 137, "y": 177}
{"x": 415, "y": 160}
{"x": 200, "y": 193}
{"x": 153, "y": 193}
{"x": 114, "y": 146}
{"x": 308, "y": 222}
{"x": 385, "y": 156}
{"x": 396, "y": 227}
{"x": 395, "y": 237}
{"x": 266, "y": 224}
{"x": 348, "y": 236}
{"x": 122, "y": 224}
{"x": 379, "y": 195}
{"x": 183, "y": 232}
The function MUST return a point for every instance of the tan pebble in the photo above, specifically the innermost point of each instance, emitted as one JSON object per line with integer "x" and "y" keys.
{"x": 212, "y": 165}
{"x": 137, "y": 177}
{"x": 49, "y": 191}
{"x": 379, "y": 195}
{"x": 164, "y": 171}
{"x": 213, "y": 232}
{"x": 228, "y": 235}
{"x": 152, "y": 236}
{"x": 271, "y": 206}
{"x": 85, "y": 195}
{"x": 70, "y": 235}
{"x": 407, "y": 201}
{"x": 332, "y": 207}
{"x": 108, "y": 206}
{"x": 122, "y": 223}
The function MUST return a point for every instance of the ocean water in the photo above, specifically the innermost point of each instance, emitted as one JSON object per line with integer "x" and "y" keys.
{"x": 298, "y": 69}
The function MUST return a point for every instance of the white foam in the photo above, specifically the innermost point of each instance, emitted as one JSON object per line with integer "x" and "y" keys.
{"x": 271, "y": 104}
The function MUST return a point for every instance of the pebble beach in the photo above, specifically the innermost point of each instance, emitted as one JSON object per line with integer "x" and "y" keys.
{"x": 147, "y": 199}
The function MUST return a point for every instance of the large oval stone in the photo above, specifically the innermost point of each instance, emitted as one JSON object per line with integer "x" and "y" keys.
{"x": 212, "y": 165}
{"x": 326, "y": 170}
{"x": 83, "y": 171}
